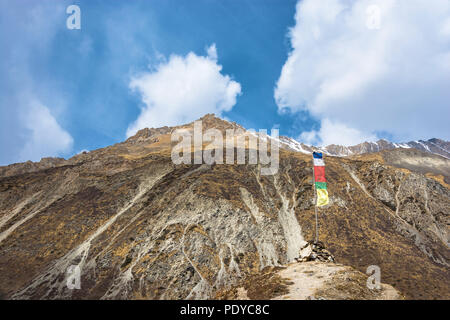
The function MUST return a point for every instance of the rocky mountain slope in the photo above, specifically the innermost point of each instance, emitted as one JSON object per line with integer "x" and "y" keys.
{"x": 141, "y": 227}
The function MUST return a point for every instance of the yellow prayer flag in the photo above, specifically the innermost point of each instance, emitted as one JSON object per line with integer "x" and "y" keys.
{"x": 322, "y": 197}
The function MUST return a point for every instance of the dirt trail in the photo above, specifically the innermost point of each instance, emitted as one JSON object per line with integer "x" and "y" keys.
{"x": 318, "y": 280}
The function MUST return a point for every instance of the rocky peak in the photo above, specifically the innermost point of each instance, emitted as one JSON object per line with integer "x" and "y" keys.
{"x": 147, "y": 133}
{"x": 210, "y": 121}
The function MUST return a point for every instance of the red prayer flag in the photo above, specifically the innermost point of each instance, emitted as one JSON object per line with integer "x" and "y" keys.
{"x": 319, "y": 174}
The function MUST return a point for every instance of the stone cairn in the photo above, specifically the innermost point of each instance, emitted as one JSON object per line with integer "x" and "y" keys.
{"x": 315, "y": 252}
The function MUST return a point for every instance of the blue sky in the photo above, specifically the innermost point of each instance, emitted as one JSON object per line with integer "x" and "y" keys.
{"x": 62, "y": 91}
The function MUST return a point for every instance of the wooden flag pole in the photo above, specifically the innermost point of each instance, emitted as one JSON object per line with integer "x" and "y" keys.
{"x": 315, "y": 204}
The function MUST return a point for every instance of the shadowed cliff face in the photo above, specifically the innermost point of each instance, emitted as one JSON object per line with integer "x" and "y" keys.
{"x": 139, "y": 226}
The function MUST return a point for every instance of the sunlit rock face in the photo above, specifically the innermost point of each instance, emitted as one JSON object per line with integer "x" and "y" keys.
{"x": 140, "y": 227}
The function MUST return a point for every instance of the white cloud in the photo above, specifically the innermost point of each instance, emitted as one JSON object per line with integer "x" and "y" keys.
{"x": 46, "y": 137}
{"x": 334, "y": 133}
{"x": 212, "y": 52}
{"x": 362, "y": 80}
{"x": 183, "y": 89}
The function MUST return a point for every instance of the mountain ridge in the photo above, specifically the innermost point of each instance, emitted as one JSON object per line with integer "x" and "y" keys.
{"x": 433, "y": 146}
{"x": 141, "y": 227}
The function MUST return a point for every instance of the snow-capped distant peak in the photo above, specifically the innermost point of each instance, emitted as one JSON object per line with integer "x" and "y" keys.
{"x": 435, "y": 146}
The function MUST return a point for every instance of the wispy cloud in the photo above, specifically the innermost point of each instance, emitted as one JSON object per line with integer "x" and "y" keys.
{"x": 29, "y": 127}
{"x": 44, "y": 135}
